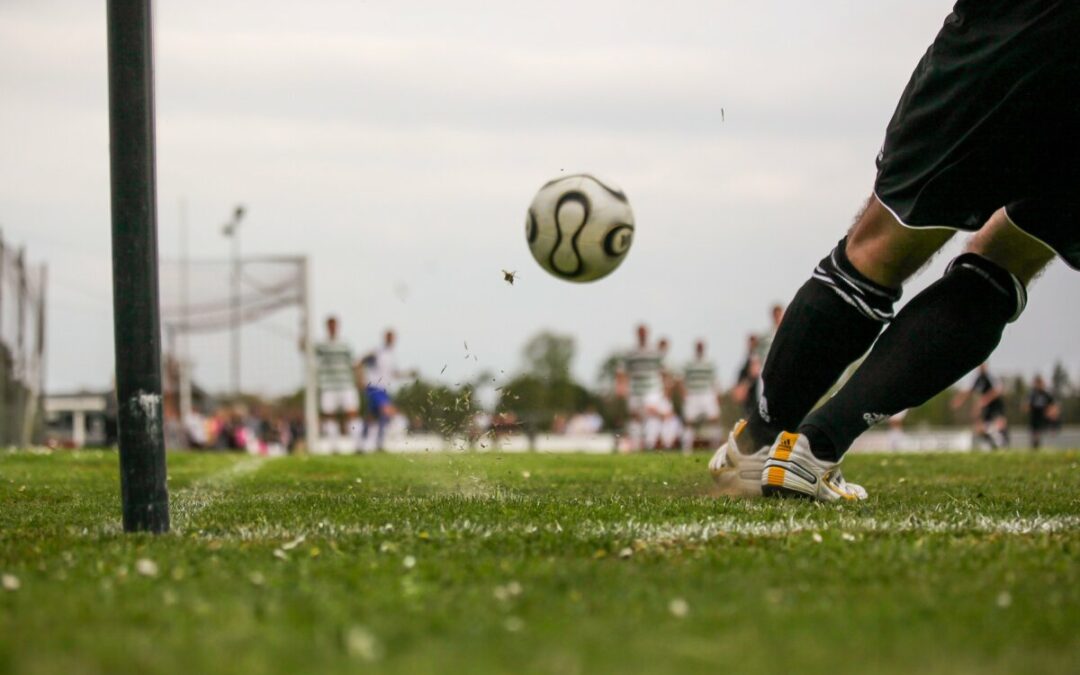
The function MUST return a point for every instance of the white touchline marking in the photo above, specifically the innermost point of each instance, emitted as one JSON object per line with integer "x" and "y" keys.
{"x": 664, "y": 532}
{"x": 190, "y": 501}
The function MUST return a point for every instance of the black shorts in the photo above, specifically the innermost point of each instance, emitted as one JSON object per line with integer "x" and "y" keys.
{"x": 991, "y": 119}
{"x": 992, "y": 411}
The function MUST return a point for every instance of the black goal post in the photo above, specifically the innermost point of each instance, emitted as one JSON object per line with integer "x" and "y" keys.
{"x": 135, "y": 267}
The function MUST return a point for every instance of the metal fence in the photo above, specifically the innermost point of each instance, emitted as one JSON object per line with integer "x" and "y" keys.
{"x": 22, "y": 346}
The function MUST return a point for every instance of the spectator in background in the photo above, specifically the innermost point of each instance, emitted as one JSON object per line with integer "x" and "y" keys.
{"x": 1042, "y": 410}
{"x": 587, "y": 423}
{"x": 744, "y": 392}
{"x": 776, "y": 315}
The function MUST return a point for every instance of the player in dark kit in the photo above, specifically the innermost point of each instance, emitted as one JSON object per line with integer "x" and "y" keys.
{"x": 984, "y": 139}
{"x": 991, "y": 424}
{"x": 1042, "y": 411}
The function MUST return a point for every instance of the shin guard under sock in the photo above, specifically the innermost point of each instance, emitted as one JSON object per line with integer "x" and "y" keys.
{"x": 942, "y": 334}
{"x": 831, "y": 322}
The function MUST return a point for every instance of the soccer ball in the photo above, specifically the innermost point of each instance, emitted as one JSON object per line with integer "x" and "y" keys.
{"x": 579, "y": 228}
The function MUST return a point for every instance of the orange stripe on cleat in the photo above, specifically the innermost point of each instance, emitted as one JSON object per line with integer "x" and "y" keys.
{"x": 775, "y": 476}
{"x": 739, "y": 426}
{"x": 786, "y": 445}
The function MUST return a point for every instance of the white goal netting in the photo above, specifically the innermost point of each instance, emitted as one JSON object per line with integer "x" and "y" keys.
{"x": 235, "y": 328}
{"x": 22, "y": 346}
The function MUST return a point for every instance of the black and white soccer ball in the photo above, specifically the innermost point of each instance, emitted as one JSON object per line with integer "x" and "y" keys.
{"x": 579, "y": 227}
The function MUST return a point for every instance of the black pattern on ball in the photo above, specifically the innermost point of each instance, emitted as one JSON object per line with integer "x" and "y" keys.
{"x": 618, "y": 240}
{"x": 578, "y": 198}
{"x": 530, "y": 228}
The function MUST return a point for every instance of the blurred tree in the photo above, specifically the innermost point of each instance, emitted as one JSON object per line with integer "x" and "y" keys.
{"x": 548, "y": 356}
{"x": 547, "y": 388}
{"x": 938, "y": 412}
{"x": 1060, "y": 383}
{"x": 437, "y": 408}
{"x": 605, "y": 376}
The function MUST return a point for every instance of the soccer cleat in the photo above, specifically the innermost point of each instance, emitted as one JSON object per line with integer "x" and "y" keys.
{"x": 791, "y": 470}
{"x": 736, "y": 473}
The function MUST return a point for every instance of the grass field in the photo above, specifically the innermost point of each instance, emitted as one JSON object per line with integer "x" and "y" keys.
{"x": 537, "y": 563}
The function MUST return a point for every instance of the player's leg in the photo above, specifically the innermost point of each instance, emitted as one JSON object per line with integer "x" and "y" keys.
{"x": 831, "y": 322}
{"x": 652, "y": 423}
{"x": 635, "y": 424}
{"x": 692, "y": 418}
{"x": 837, "y": 315}
{"x": 1002, "y": 424}
{"x": 329, "y": 407}
{"x": 938, "y": 337}
{"x": 386, "y": 412}
{"x": 979, "y": 433}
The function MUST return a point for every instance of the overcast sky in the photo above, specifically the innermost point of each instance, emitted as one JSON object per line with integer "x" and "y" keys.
{"x": 398, "y": 145}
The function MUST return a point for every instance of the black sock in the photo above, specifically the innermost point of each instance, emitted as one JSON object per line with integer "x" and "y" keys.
{"x": 942, "y": 334}
{"x": 831, "y": 322}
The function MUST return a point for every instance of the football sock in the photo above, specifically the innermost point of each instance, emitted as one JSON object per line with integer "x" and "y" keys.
{"x": 832, "y": 321}
{"x": 380, "y": 433}
{"x": 942, "y": 334}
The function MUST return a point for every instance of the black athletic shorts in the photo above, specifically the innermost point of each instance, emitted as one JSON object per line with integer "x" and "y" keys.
{"x": 991, "y": 119}
{"x": 992, "y": 410}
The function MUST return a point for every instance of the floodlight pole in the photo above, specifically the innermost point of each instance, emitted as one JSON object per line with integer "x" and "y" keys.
{"x": 231, "y": 230}
{"x": 136, "y": 312}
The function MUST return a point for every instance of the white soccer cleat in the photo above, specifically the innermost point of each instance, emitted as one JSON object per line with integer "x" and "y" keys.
{"x": 736, "y": 473}
{"x": 791, "y": 470}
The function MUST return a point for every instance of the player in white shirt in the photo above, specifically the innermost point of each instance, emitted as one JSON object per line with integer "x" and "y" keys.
{"x": 671, "y": 426}
{"x": 380, "y": 375}
{"x": 336, "y": 380}
{"x": 640, "y": 380}
{"x": 701, "y": 397}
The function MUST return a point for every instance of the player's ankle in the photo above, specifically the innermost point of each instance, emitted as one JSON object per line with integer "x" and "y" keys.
{"x": 760, "y": 433}
{"x": 821, "y": 446}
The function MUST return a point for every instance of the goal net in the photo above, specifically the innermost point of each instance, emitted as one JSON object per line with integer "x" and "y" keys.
{"x": 22, "y": 346}
{"x": 237, "y": 330}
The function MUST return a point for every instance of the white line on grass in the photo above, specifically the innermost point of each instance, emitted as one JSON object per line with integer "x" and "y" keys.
{"x": 189, "y": 502}
{"x": 669, "y": 532}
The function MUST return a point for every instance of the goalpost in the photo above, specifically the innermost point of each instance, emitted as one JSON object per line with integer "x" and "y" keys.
{"x": 144, "y": 496}
{"x": 136, "y": 306}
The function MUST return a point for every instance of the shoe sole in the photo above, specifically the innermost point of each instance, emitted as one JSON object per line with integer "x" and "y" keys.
{"x": 782, "y": 477}
{"x": 780, "y": 492}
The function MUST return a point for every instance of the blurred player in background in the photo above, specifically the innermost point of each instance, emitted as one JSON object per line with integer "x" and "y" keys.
{"x": 671, "y": 425}
{"x": 380, "y": 374}
{"x": 640, "y": 380}
{"x": 701, "y": 400}
{"x": 338, "y": 398}
{"x": 1042, "y": 410}
{"x": 745, "y": 391}
{"x": 764, "y": 342}
{"x": 984, "y": 139}
{"x": 990, "y": 422}
{"x": 897, "y": 437}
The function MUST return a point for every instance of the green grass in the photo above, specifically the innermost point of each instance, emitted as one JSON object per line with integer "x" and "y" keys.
{"x": 549, "y": 564}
